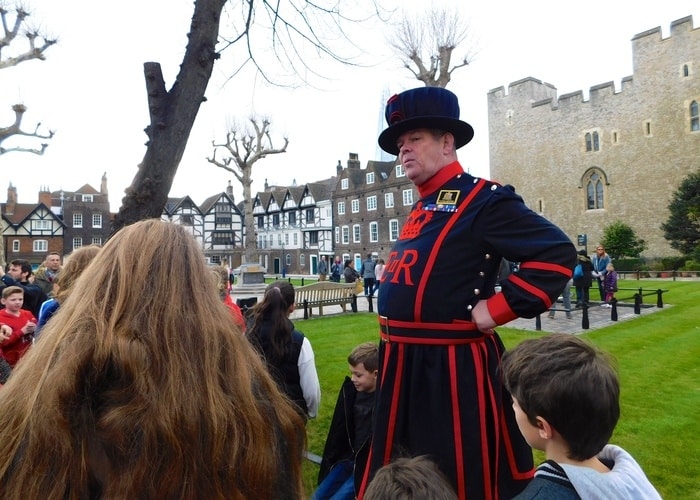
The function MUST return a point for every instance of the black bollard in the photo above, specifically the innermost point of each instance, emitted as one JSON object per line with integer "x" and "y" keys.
{"x": 585, "y": 324}
{"x": 306, "y": 310}
{"x": 659, "y": 299}
{"x": 637, "y": 303}
{"x": 641, "y": 295}
{"x": 613, "y": 310}
{"x": 302, "y": 281}
{"x": 538, "y": 323}
{"x": 371, "y": 305}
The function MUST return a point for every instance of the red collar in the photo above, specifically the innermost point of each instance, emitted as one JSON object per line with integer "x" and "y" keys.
{"x": 438, "y": 180}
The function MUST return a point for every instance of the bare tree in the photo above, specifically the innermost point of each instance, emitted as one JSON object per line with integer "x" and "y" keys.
{"x": 426, "y": 44}
{"x": 15, "y": 27}
{"x": 244, "y": 148}
{"x": 287, "y": 26}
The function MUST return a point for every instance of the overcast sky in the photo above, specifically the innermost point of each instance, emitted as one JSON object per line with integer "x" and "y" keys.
{"x": 91, "y": 88}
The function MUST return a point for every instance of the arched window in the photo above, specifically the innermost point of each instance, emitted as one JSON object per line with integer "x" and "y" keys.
{"x": 595, "y": 190}
{"x": 694, "y": 117}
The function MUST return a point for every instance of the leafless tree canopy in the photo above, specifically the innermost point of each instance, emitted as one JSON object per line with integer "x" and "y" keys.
{"x": 242, "y": 148}
{"x": 426, "y": 44}
{"x": 21, "y": 43}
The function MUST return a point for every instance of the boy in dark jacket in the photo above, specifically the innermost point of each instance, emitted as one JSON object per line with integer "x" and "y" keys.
{"x": 351, "y": 427}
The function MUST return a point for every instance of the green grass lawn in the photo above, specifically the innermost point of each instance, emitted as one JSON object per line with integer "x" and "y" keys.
{"x": 657, "y": 357}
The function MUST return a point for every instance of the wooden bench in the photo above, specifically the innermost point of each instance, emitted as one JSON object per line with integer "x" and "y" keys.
{"x": 324, "y": 293}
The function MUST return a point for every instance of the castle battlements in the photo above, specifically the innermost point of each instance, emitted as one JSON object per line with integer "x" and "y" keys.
{"x": 647, "y": 48}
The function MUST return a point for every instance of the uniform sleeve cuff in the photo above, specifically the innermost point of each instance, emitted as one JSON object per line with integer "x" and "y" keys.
{"x": 499, "y": 309}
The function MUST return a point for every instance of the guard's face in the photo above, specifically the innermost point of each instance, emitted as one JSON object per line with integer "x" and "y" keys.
{"x": 421, "y": 154}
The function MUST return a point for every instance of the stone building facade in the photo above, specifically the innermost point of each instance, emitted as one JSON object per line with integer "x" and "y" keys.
{"x": 620, "y": 155}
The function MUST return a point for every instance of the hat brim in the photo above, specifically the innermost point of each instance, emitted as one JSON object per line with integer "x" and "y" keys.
{"x": 462, "y": 131}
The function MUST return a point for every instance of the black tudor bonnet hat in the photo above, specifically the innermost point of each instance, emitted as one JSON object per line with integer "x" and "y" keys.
{"x": 423, "y": 107}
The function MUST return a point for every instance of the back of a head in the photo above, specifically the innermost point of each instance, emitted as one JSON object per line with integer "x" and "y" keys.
{"x": 571, "y": 384}
{"x": 410, "y": 479}
{"x": 137, "y": 350}
{"x": 221, "y": 277}
{"x": 76, "y": 262}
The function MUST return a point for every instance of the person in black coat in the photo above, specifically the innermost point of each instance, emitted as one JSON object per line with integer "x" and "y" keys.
{"x": 584, "y": 280}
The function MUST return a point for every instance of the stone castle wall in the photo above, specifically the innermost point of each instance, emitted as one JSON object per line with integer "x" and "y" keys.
{"x": 537, "y": 140}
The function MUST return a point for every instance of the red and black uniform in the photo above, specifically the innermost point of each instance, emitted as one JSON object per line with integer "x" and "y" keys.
{"x": 439, "y": 391}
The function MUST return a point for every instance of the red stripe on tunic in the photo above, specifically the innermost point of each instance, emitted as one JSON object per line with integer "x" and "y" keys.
{"x": 457, "y": 424}
{"x": 395, "y": 396}
{"x": 517, "y": 474}
{"x": 532, "y": 290}
{"x": 496, "y": 429}
{"x": 546, "y": 266}
{"x": 481, "y": 401}
{"x": 432, "y": 257}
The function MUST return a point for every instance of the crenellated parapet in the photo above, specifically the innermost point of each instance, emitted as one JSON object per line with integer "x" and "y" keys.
{"x": 648, "y": 48}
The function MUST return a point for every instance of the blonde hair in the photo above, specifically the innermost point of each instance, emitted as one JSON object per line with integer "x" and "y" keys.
{"x": 144, "y": 388}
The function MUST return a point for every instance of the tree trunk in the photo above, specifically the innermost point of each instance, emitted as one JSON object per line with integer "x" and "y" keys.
{"x": 172, "y": 116}
{"x": 250, "y": 248}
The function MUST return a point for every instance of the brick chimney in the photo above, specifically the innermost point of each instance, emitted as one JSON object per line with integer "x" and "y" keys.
{"x": 11, "y": 200}
{"x": 45, "y": 196}
{"x": 339, "y": 168}
{"x": 103, "y": 184}
{"x": 354, "y": 161}
{"x": 229, "y": 189}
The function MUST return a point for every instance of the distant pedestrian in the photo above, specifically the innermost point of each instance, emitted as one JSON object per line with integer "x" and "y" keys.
{"x": 336, "y": 270}
{"x": 378, "y": 273}
{"x": 583, "y": 278}
{"x": 322, "y": 269}
{"x": 600, "y": 263}
{"x": 367, "y": 273}
{"x": 610, "y": 284}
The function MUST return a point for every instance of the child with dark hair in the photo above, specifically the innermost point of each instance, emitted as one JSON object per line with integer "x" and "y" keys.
{"x": 417, "y": 478}
{"x": 566, "y": 401}
{"x": 286, "y": 351}
{"x": 351, "y": 427}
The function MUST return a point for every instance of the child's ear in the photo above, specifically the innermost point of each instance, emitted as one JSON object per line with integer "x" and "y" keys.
{"x": 545, "y": 430}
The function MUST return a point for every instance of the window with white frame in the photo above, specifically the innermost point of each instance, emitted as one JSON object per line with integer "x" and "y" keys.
{"x": 346, "y": 235}
{"x": 40, "y": 246}
{"x": 87, "y": 198}
{"x": 370, "y": 177}
{"x": 388, "y": 200}
{"x": 355, "y": 206}
{"x": 341, "y": 207}
{"x": 337, "y": 234}
{"x": 77, "y": 220}
{"x": 302, "y": 260}
{"x": 279, "y": 239}
{"x": 41, "y": 224}
{"x": 296, "y": 239}
{"x": 356, "y": 233}
{"x": 373, "y": 232}
{"x": 96, "y": 240}
{"x": 15, "y": 245}
{"x": 344, "y": 183}
{"x": 371, "y": 203}
{"x": 400, "y": 172}
{"x": 77, "y": 243}
{"x": 286, "y": 238}
{"x": 97, "y": 220}
{"x": 407, "y": 197}
{"x": 393, "y": 230}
